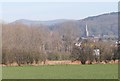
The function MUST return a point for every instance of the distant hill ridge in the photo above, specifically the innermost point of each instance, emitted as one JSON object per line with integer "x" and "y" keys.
{"x": 104, "y": 24}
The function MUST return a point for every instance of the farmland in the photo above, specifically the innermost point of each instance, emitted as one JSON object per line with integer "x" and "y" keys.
{"x": 94, "y": 71}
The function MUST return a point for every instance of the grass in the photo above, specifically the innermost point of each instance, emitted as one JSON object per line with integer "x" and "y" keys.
{"x": 97, "y": 71}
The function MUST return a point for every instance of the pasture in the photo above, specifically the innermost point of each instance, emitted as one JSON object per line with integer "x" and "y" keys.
{"x": 95, "y": 71}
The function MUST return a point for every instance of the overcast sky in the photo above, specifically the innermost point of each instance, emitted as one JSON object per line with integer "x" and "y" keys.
{"x": 55, "y": 10}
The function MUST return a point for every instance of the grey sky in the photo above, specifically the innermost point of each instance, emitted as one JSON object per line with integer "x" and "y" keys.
{"x": 55, "y": 10}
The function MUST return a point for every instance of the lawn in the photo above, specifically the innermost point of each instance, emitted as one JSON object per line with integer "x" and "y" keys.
{"x": 96, "y": 71}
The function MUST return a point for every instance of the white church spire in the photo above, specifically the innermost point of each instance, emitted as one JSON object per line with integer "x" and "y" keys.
{"x": 86, "y": 29}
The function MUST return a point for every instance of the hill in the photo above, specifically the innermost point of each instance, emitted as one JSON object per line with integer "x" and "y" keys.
{"x": 104, "y": 24}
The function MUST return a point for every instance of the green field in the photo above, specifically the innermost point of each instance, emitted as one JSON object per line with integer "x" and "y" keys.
{"x": 97, "y": 71}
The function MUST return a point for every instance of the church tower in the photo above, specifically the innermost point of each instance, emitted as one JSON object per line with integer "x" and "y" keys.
{"x": 86, "y": 31}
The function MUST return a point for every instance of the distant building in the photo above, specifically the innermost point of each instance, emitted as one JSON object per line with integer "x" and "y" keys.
{"x": 86, "y": 31}
{"x": 78, "y": 44}
{"x": 96, "y": 52}
{"x": 94, "y": 38}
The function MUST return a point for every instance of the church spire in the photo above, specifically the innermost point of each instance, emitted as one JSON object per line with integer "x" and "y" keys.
{"x": 86, "y": 30}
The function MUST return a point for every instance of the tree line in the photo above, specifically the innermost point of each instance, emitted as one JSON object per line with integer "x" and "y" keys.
{"x": 107, "y": 51}
{"x": 24, "y": 44}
